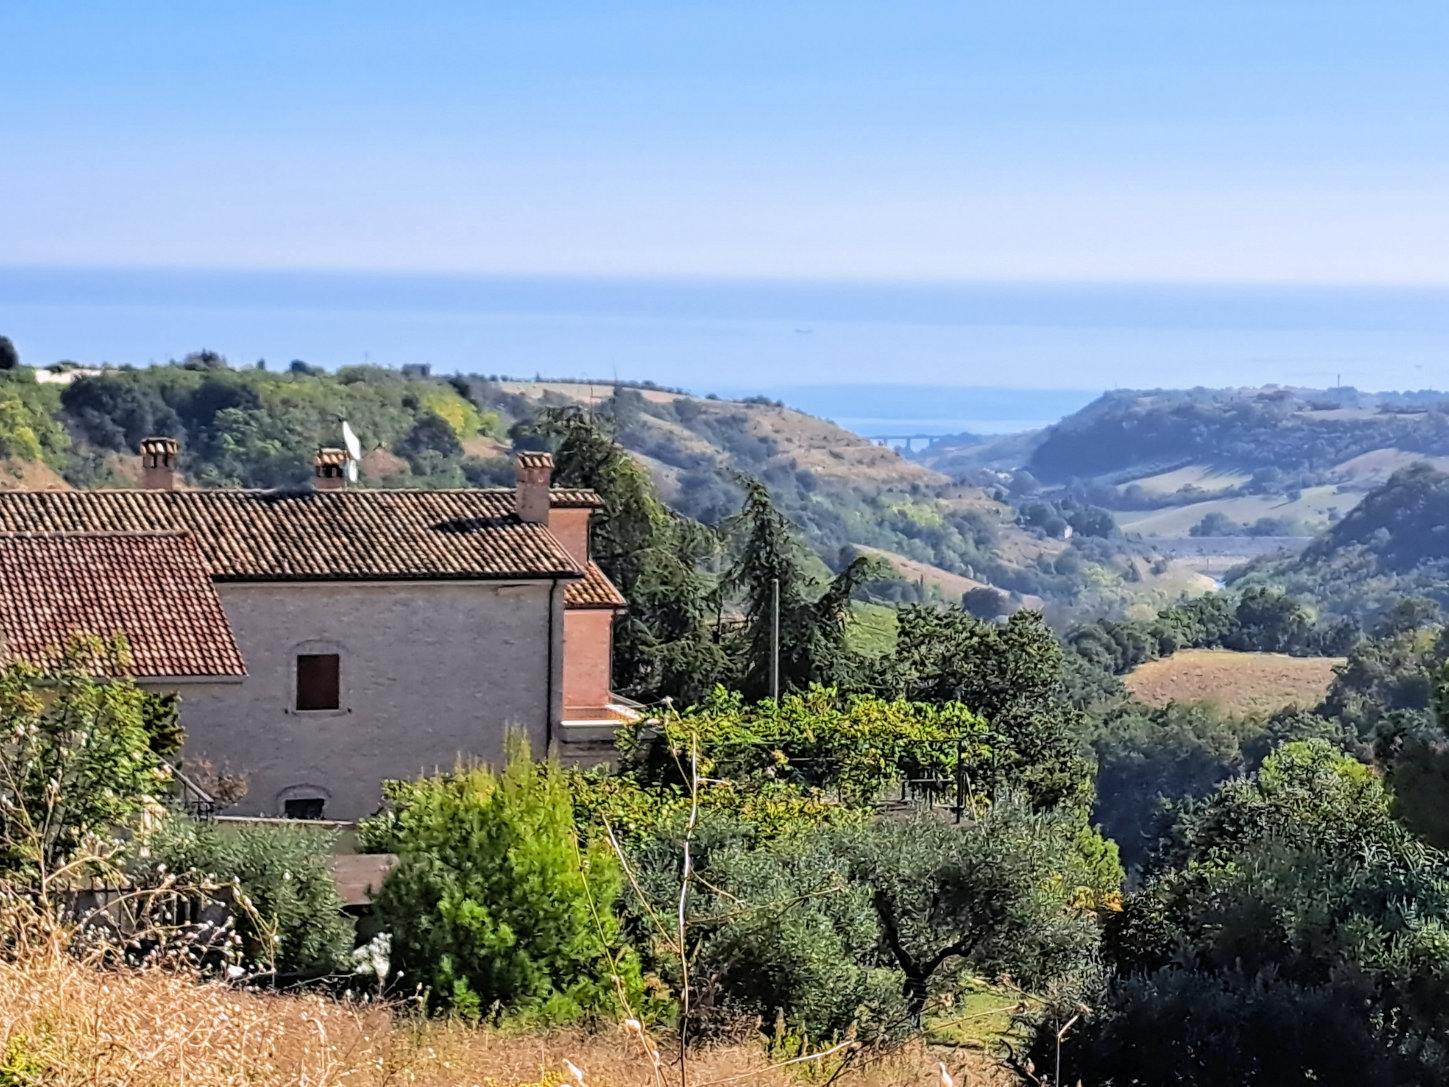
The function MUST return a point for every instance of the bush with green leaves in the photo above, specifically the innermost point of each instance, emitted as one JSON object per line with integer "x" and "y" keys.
{"x": 774, "y": 928}
{"x": 855, "y": 928}
{"x": 495, "y": 907}
{"x": 1006, "y": 892}
{"x": 1235, "y": 1029}
{"x": 1293, "y": 890}
{"x": 1307, "y": 794}
{"x": 854, "y": 746}
{"x": 77, "y": 773}
{"x": 1012, "y": 675}
{"x": 287, "y": 908}
{"x": 1152, "y": 760}
{"x": 1390, "y": 674}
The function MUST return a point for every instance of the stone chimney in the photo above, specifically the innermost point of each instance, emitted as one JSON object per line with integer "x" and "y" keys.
{"x": 534, "y": 472}
{"x": 329, "y": 470}
{"x": 158, "y": 463}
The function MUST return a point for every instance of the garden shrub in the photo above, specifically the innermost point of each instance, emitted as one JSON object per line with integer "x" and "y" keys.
{"x": 1178, "y": 1025}
{"x": 776, "y": 931}
{"x": 290, "y": 919}
{"x": 495, "y": 908}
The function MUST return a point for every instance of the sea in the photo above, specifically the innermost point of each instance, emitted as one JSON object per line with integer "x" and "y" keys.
{"x": 882, "y": 358}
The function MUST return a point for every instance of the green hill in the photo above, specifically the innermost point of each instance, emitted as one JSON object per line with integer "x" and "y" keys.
{"x": 1293, "y": 430}
{"x": 1394, "y": 543}
{"x": 1217, "y": 462}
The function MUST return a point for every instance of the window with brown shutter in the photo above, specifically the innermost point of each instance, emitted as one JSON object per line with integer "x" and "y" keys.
{"x": 318, "y": 686}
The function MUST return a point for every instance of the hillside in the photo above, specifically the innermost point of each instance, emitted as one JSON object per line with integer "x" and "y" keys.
{"x": 846, "y": 492}
{"x": 1225, "y": 463}
{"x": 1310, "y": 431}
{"x": 259, "y": 428}
{"x": 1394, "y": 543}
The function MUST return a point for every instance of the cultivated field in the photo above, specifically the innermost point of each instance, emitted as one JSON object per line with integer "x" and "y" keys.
{"x": 1174, "y": 521}
{"x": 1237, "y": 682}
{"x": 1193, "y": 475}
{"x": 1378, "y": 464}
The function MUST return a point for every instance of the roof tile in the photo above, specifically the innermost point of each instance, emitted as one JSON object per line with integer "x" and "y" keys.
{"x": 151, "y": 587}
{"x": 318, "y": 535}
{"x": 594, "y": 590}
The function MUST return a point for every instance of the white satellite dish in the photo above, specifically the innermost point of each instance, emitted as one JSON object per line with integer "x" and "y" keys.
{"x": 354, "y": 451}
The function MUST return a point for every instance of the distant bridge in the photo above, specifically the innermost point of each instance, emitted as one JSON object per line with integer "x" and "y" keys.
{"x": 904, "y": 440}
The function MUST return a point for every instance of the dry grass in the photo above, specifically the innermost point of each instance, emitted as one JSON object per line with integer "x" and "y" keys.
{"x": 66, "y": 1023}
{"x": 1377, "y": 465}
{"x": 30, "y": 475}
{"x": 1242, "y": 683}
{"x": 1193, "y": 475}
{"x": 1177, "y": 521}
{"x": 953, "y": 586}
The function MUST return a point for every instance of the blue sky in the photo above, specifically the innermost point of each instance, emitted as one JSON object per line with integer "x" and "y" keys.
{"x": 1268, "y": 142}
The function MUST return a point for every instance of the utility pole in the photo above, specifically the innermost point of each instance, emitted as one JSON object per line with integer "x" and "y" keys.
{"x": 775, "y": 638}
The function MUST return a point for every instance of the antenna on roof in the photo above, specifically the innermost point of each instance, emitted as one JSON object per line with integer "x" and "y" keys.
{"x": 354, "y": 451}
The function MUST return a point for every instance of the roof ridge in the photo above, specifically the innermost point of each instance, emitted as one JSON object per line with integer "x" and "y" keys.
{"x": 271, "y": 535}
{"x": 301, "y": 489}
{"x": 71, "y": 533}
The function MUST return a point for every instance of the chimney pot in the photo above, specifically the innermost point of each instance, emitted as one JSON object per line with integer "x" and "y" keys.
{"x": 158, "y": 463}
{"x": 533, "y": 473}
{"x": 329, "y": 470}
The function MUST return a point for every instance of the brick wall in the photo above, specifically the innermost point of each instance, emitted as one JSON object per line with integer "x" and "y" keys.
{"x": 571, "y": 527}
{"x": 429, "y": 672}
{"x": 588, "y": 637}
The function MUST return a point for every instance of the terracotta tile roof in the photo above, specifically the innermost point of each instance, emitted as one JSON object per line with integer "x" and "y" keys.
{"x": 316, "y": 535}
{"x": 528, "y": 459}
{"x": 151, "y": 587}
{"x": 594, "y": 590}
{"x": 575, "y": 498}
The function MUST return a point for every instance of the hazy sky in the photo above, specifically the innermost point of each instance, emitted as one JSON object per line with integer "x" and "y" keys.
{"x": 1276, "y": 140}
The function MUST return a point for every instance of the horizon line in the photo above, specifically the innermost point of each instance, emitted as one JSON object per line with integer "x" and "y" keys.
{"x": 717, "y": 279}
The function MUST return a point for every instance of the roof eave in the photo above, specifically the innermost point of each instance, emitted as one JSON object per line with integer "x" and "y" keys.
{"x": 393, "y": 579}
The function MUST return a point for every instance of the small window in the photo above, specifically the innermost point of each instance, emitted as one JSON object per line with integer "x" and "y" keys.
{"x": 317, "y": 681}
{"x": 304, "y": 807}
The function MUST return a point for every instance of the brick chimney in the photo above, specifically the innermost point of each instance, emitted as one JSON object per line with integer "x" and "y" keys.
{"x": 533, "y": 472}
{"x": 158, "y": 463}
{"x": 329, "y": 470}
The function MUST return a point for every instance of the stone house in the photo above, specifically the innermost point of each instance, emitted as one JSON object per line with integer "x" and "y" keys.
{"x": 324, "y": 640}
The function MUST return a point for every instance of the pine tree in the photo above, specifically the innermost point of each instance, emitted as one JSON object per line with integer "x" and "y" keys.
{"x": 812, "y": 634}
{"x": 668, "y": 643}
